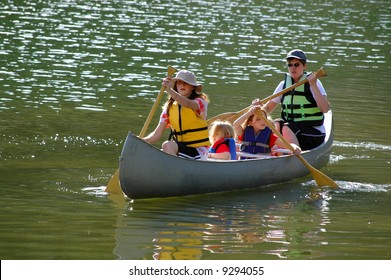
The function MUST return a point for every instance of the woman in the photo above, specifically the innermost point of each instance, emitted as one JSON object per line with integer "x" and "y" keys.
{"x": 185, "y": 114}
{"x": 302, "y": 108}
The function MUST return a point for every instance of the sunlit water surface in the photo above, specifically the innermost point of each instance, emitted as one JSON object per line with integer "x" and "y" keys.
{"x": 77, "y": 75}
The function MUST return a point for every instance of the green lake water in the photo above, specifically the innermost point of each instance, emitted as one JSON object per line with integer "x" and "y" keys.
{"x": 76, "y": 76}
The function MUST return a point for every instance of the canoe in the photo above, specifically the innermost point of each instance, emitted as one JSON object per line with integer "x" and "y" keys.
{"x": 147, "y": 172}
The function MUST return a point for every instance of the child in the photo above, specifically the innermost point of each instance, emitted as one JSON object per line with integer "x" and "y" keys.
{"x": 185, "y": 114}
{"x": 255, "y": 136}
{"x": 221, "y": 136}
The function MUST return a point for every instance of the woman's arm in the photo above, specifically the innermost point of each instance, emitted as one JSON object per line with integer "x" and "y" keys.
{"x": 321, "y": 100}
{"x": 182, "y": 100}
{"x": 269, "y": 106}
{"x": 155, "y": 135}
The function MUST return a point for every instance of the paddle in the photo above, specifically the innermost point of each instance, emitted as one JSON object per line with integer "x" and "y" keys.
{"x": 232, "y": 116}
{"x": 113, "y": 185}
{"x": 320, "y": 178}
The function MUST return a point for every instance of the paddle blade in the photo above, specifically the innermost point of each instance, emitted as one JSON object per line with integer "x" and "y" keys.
{"x": 323, "y": 180}
{"x": 321, "y": 73}
{"x": 113, "y": 186}
{"x": 320, "y": 178}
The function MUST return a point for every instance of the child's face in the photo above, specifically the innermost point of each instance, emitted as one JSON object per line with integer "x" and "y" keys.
{"x": 214, "y": 138}
{"x": 258, "y": 123}
{"x": 184, "y": 88}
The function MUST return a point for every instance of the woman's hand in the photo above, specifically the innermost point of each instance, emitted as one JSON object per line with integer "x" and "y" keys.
{"x": 256, "y": 101}
{"x": 297, "y": 149}
{"x": 312, "y": 79}
{"x": 167, "y": 82}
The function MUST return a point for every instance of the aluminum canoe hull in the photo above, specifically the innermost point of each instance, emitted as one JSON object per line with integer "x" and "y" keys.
{"x": 147, "y": 172}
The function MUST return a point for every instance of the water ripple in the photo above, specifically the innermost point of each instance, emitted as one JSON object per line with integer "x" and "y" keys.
{"x": 76, "y": 75}
{"x": 344, "y": 186}
{"x": 363, "y": 145}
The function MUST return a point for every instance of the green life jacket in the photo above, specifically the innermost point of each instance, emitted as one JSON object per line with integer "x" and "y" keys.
{"x": 299, "y": 105}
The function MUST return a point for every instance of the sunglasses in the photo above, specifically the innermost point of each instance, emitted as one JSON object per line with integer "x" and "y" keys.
{"x": 297, "y": 64}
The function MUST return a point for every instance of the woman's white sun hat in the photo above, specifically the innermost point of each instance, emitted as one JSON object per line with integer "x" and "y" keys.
{"x": 190, "y": 78}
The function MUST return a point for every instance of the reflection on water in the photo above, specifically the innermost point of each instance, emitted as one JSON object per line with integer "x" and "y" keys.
{"x": 77, "y": 75}
{"x": 276, "y": 225}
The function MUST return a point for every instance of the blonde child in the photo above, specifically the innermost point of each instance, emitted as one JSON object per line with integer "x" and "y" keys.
{"x": 255, "y": 136}
{"x": 221, "y": 137}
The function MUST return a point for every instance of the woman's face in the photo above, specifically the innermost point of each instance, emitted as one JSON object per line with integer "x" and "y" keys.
{"x": 295, "y": 68}
{"x": 184, "y": 88}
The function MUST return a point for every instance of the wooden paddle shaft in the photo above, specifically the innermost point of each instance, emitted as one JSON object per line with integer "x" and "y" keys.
{"x": 171, "y": 71}
{"x": 232, "y": 116}
{"x": 261, "y": 113}
{"x": 320, "y": 73}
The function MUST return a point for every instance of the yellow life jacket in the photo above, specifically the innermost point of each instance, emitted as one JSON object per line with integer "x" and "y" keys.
{"x": 187, "y": 127}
